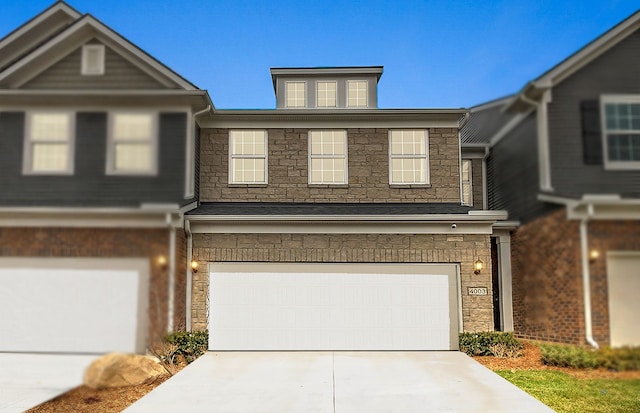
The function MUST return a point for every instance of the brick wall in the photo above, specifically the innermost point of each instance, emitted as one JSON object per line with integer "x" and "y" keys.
{"x": 368, "y": 163}
{"x": 102, "y": 243}
{"x": 547, "y": 276}
{"x": 477, "y": 311}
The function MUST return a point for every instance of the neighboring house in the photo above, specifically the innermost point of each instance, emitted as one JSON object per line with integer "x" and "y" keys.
{"x": 96, "y": 170}
{"x": 563, "y": 158}
{"x": 328, "y": 223}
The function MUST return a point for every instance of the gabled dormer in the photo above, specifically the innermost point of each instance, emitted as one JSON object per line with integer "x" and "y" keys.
{"x": 326, "y": 87}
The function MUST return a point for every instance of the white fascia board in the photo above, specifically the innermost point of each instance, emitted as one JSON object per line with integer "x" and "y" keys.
{"x": 199, "y": 227}
{"x": 506, "y": 225}
{"x": 473, "y": 216}
{"x": 554, "y": 199}
{"x": 337, "y": 122}
{"x": 487, "y": 105}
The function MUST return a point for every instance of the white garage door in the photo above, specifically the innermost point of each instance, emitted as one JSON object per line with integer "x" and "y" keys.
{"x": 623, "y": 274}
{"x": 73, "y": 305}
{"x": 333, "y": 307}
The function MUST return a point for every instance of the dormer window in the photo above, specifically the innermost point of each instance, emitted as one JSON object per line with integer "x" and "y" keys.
{"x": 326, "y": 95}
{"x": 295, "y": 94}
{"x": 357, "y": 94}
{"x": 92, "y": 60}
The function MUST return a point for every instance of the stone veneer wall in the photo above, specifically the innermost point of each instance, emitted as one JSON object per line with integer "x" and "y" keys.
{"x": 547, "y": 276}
{"x": 476, "y": 183}
{"x": 107, "y": 243}
{"x": 368, "y": 169}
{"x": 477, "y": 311}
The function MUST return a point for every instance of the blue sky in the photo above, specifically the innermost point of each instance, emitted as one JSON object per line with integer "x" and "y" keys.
{"x": 435, "y": 53}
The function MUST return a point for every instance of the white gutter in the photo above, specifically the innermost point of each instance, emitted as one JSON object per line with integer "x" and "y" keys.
{"x": 189, "y": 235}
{"x": 172, "y": 272}
{"x": 586, "y": 285}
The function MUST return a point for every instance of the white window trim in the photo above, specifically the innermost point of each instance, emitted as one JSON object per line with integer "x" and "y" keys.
{"x": 27, "y": 166}
{"x": 155, "y": 131}
{"x": 335, "y": 90}
{"x": 86, "y": 70}
{"x": 232, "y": 180}
{"x": 345, "y": 157}
{"x": 427, "y": 173}
{"x": 286, "y": 94}
{"x": 470, "y": 182}
{"x": 615, "y": 165}
{"x": 366, "y": 98}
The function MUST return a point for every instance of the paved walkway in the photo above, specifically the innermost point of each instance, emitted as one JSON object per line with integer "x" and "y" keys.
{"x": 27, "y": 380}
{"x": 341, "y": 382}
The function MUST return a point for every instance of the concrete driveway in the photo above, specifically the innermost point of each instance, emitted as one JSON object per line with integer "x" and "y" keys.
{"x": 337, "y": 382}
{"x": 27, "y": 380}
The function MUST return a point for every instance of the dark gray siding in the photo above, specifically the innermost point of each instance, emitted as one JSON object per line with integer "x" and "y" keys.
{"x": 119, "y": 74}
{"x": 512, "y": 173}
{"x": 615, "y": 72}
{"x": 89, "y": 185}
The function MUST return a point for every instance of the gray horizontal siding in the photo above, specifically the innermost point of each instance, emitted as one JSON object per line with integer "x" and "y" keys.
{"x": 615, "y": 72}
{"x": 89, "y": 185}
{"x": 119, "y": 74}
{"x": 512, "y": 173}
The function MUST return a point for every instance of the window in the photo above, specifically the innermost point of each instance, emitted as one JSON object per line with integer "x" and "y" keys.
{"x": 621, "y": 132}
{"x": 132, "y": 144}
{"x": 49, "y": 143}
{"x": 467, "y": 194}
{"x": 357, "y": 93}
{"x": 92, "y": 59}
{"x": 408, "y": 157}
{"x": 326, "y": 95}
{"x": 248, "y": 157}
{"x": 295, "y": 94}
{"x": 328, "y": 157}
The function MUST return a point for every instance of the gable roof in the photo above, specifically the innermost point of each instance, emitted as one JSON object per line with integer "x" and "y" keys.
{"x": 485, "y": 121}
{"x": 69, "y": 38}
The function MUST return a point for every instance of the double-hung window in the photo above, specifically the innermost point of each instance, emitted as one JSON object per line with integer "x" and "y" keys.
{"x": 132, "y": 144}
{"x": 621, "y": 132}
{"x": 326, "y": 95}
{"x": 328, "y": 157}
{"x": 49, "y": 142}
{"x": 357, "y": 96}
{"x": 408, "y": 157}
{"x": 466, "y": 175}
{"x": 295, "y": 94}
{"x": 248, "y": 157}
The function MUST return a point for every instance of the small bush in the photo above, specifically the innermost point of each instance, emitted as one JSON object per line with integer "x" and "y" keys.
{"x": 619, "y": 359}
{"x": 490, "y": 343}
{"x": 568, "y": 356}
{"x": 188, "y": 345}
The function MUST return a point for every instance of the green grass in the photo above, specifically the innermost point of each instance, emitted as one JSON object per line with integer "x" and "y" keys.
{"x": 566, "y": 394}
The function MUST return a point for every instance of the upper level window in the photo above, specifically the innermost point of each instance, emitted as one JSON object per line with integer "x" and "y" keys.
{"x": 326, "y": 95}
{"x": 92, "y": 59}
{"x": 295, "y": 94}
{"x": 467, "y": 194}
{"x": 408, "y": 157}
{"x": 357, "y": 93}
{"x": 132, "y": 144}
{"x": 49, "y": 143}
{"x": 621, "y": 132}
{"x": 248, "y": 157}
{"x": 327, "y": 157}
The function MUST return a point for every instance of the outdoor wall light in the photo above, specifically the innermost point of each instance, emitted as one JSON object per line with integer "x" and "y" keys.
{"x": 194, "y": 266}
{"x": 594, "y": 255}
{"x": 478, "y": 266}
{"x": 161, "y": 260}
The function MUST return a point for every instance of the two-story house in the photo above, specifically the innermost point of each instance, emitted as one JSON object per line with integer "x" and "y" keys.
{"x": 329, "y": 223}
{"x": 97, "y": 143}
{"x": 563, "y": 158}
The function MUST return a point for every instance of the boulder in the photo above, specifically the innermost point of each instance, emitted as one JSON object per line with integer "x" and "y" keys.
{"x": 120, "y": 370}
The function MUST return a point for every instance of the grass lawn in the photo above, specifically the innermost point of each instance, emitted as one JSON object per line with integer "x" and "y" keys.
{"x": 566, "y": 394}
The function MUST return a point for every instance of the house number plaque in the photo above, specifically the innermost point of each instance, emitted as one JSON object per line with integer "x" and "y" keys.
{"x": 477, "y": 290}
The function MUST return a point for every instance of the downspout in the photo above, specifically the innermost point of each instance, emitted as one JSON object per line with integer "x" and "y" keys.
{"x": 586, "y": 285}
{"x": 172, "y": 272}
{"x": 187, "y": 229}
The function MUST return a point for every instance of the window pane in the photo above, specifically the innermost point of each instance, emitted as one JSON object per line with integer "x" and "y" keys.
{"x": 357, "y": 93}
{"x": 466, "y": 194}
{"x": 466, "y": 166}
{"x": 132, "y": 127}
{"x": 408, "y": 171}
{"x": 132, "y": 157}
{"x": 249, "y": 170}
{"x": 49, "y": 157}
{"x": 295, "y": 94}
{"x": 326, "y": 94}
{"x": 50, "y": 127}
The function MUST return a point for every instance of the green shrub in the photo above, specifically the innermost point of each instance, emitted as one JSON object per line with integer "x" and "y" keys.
{"x": 568, "y": 356}
{"x": 490, "y": 343}
{"x": 189, "y": 345}
{"x": 619, "y": 359}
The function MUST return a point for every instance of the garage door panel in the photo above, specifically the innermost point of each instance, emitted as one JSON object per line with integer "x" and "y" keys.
{"x": 333, "y": 310}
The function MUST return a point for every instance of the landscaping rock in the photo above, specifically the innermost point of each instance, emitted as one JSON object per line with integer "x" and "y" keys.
{"x": 120, "y": 370}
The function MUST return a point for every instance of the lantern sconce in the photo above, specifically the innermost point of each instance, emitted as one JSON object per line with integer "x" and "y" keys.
{"x": 194, "y": 266}
{"x": 161, "y": 260}
{"x": 478, "y": 266}
{"x": 594, "y": 255}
